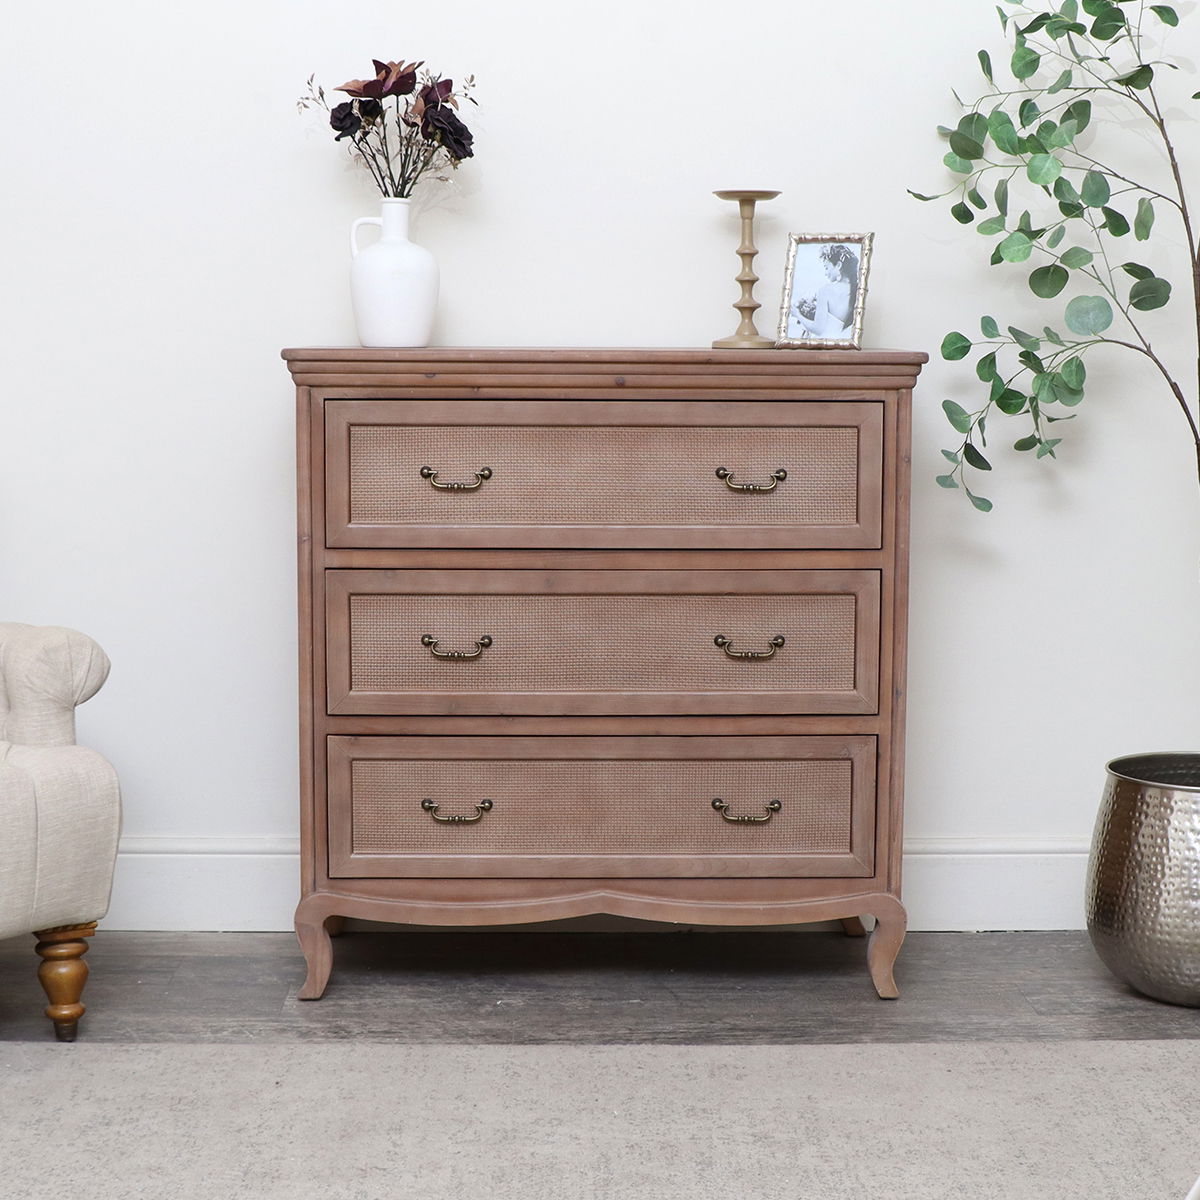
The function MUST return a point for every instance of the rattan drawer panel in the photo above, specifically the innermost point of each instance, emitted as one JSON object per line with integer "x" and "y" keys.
{"x": 587, "y": 803}
{"x": 603, "y": 642}
{"x": 644, "y": 482}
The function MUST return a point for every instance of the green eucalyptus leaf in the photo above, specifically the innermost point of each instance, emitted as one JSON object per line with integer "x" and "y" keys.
{"x": 1094, "y": 8}
{"x": 1028, "y": 113}
{"x": 1010, "y": 402}
{"x": 985, "y": 65}
{"x": 962, "y": 213}
{"x": 1025, "y": 62}
{"x": 1017, "y": 247}
{"x": 1074, "y": 373}
{"x": 1025, "y": 340}
{"x": 1047, "y": 282}
{"x": 1167, "y": 15}
{"x": 1071, "y": 211}
{"x": 985, "y": 368}
{"x": 1001, "y": 197}
{"x": 964, "y": 146}
{"x": 1004, "y": 132}
{"x": 1065, "y": 395}
{"x": 946, "y": 481}
{"x": 918, "y": 196}
{"x": 1108, "y": 24}
{"x": 951, "y": 456}
{"x": 1047, "y": 447}
{"x": 997, "y": 258}
{"x": 1032, "y": 361}
{"x": 1079, "y": 112}
{"x": 991, "y": 225}
{"x": 1043, "y": 387}
{"x": 1088, "y": 315}
{"x": 1137, "y": 270}
{"x": 989, "y": 327}
{"x": 1114, "y": 222}
{"x": 957, "y": 416}
{"x": 980, "y": 502}
{"x": 1069, "y": 9}
{"x": 1063, "y": 81}
{"x": 975, "y": 126}
{"x": 1144, "y": 221}
{"x": 1095, "y": 191}
{"x": 1038, "y": 22}
{"x": 955, "y": 346}
{"x": 1043, "y": 169}
{"x": 1026, "y": 443}
{"x": 1052, "y": 336}
{"x": 1076, "y": 257}
{"x": 1150, "y": 293}
{"x": 1056, "y": 237}
{"x": 976, "y": 199}
{"x": 1064, "y": 135}
{"x": 1139, "y": 78}
{"x": 961, "y": 166}
{"x": 975, "y": 459}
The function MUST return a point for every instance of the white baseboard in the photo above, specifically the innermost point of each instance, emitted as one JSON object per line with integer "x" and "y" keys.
{"x": 182, "y": 883}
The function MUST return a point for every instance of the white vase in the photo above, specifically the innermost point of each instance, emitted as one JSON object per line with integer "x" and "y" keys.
{"x": 393, "y": 282}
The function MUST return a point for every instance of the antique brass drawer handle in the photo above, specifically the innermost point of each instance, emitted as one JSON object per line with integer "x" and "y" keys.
{"x": 773, "y": 806}
{"x": 481, "y": 645}
{"x": 480, "y": 475}
{"x": 431, "y": 807}
{"x": 777, "y": 477}
{"x": 726, "y": 644}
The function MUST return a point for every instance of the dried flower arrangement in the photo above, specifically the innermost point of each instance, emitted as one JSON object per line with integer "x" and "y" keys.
{"x": 399, "y": 142}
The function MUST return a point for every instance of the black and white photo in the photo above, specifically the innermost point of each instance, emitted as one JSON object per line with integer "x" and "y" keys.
{"x": 824, "y": 290}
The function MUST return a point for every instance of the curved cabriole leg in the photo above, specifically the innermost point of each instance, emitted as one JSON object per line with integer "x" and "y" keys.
{"x": 312, "y": 921}
{"x": 887, "y": 937}
{"x": 63, "y": 973}
{"x": 854, "y": 927}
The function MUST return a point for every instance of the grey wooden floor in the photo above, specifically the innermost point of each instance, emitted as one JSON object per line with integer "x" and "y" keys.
{"x": 598, "y": 988}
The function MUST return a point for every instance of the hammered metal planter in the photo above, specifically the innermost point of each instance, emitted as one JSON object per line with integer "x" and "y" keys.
{"x": 1143, "y": 886}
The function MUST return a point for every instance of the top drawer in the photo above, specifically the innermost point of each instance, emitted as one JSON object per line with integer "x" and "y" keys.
{"x": 603, "y": 474}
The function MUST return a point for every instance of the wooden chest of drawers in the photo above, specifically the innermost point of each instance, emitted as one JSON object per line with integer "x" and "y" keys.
{"x": 602, "y": 631}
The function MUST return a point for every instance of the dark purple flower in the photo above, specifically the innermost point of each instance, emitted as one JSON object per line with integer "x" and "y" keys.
{"x": 370, "y": 111}
{"x": 437, "y": 92}
{"x": 345, "y": 120}
{"x": 441, "y": 124}
{"x": 391, "y": 79}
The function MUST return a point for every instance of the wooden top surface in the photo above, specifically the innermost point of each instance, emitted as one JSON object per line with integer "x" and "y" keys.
{"x": 594, "y": 354}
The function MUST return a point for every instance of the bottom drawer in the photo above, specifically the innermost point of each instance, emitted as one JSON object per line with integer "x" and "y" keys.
{"x": 601, "y": 806}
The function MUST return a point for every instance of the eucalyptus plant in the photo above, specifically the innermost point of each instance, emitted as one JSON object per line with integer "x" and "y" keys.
{"x": 1077, "y": 71}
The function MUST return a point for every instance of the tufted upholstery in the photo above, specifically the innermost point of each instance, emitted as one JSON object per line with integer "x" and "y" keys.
{"x": 60, "y": 807}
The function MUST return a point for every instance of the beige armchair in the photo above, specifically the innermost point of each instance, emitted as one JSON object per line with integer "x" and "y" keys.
{"x": 60, "y": 808}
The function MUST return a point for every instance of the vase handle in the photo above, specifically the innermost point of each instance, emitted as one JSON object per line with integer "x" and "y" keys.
{"x": 354, "y": 232}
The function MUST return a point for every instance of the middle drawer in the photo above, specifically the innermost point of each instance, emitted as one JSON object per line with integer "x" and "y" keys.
{"x": 602, "y": 642}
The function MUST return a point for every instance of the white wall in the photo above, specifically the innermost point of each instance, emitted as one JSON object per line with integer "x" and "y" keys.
{"x": 171, "y": 223}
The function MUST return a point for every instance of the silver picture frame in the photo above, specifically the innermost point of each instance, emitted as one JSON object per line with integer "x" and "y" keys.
{"x": 824, "y": 291}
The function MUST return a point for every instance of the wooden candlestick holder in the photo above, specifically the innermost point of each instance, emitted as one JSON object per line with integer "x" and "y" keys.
{"x": 746, "y": 336}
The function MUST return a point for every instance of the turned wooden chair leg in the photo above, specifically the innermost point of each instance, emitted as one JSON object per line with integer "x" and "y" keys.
{"x": 63, "y": 973}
